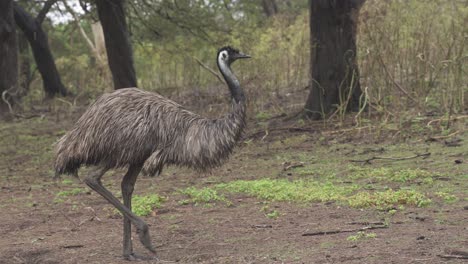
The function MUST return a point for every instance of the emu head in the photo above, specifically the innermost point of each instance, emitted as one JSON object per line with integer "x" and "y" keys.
{"x": 228, "y": 55}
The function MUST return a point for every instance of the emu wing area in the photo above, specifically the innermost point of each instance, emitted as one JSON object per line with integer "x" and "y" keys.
{"x": 121, "y": 128}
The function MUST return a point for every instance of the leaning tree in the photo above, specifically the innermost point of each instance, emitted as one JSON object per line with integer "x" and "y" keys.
{"x": 334, "y": 74}
{"x": 37, "y": 38}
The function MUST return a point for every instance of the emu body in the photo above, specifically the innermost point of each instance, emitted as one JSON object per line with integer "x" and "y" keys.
{"x": 144, "y": 132}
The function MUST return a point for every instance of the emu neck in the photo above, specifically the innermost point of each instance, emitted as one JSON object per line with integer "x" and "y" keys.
{"x": 234, "y": 87}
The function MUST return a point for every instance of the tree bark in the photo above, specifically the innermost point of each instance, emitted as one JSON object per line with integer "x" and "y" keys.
{"x": 269, "y": 7}
{"x": 334, "y": 76}
{"x": 117, "y": 40}
{"x": 25, "y": 74}
{"x": 37, "y": 38}
{"x": 8, "y": 56}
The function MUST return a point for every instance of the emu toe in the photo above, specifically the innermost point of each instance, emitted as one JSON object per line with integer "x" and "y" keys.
{"x": 136, "y": 257}
{"x": 145, "y": 238}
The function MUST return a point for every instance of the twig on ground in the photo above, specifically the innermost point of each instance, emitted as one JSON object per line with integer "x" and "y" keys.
{"x": 289, "y": 129}
{"x": 368, "y": 161}
{"x": 331, "y": 232}
{"x": 455, "y": 255}
{"x": 73, "y": 246}
{"x": 346, "y": 130}
{"x": 366, "y": 223}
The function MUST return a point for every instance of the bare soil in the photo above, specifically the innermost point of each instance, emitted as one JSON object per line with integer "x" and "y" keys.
{"x": 84, "y": 228}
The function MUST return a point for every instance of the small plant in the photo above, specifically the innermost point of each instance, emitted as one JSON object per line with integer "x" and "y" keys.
{"x": 360, "y": 236}
{"x": 67, "y": 182}
{"x": 273, "y": 214}
{"x": 449, "y": 198}
{"x": 144, "y": 205}
{"x": 262, "y": 116}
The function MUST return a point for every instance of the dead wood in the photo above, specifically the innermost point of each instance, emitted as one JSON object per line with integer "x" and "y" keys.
{"x": 368, "y": 161}
{"x": 331, "y": 232}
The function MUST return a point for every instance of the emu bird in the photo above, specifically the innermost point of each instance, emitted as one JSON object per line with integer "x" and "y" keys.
{"x": 145, "y": 131}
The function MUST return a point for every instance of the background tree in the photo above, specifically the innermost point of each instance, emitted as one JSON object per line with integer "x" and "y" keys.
{"x": 269, "y": 7}
{"x": 8, "y": 55}
{"x": 38, "y": 41}
{"x": 119, "y": 50}
{"x": 334, "y": 74}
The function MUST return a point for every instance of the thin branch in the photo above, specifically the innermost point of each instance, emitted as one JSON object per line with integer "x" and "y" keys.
{"x": 83, "y": 33}
{"x": 45, "y": 9}
{"x": 368, "y": 161}
{"x": 331, "y": 232}
{"x": 209, "y": 69}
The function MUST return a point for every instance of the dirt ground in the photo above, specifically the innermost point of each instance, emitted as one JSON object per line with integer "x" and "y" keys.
{"x": 36, "y": 227}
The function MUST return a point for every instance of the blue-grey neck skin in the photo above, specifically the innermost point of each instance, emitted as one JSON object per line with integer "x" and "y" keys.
{"x": 231, "y": 80}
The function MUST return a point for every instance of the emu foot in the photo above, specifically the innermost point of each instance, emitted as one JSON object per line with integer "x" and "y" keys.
{"x": 145, "y": 238}
{"x": 136, "y": 257}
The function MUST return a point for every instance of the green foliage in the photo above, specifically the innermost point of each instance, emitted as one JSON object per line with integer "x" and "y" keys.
{"x": 143, "y": 205}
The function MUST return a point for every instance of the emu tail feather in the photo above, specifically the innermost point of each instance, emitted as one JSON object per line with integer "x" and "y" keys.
{"x": 66, "y": 162}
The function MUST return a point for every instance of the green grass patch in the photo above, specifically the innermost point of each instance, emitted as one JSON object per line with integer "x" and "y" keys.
{"x": 388, "y": 174}
{"x": 285, "y": 190}
{"x": 303, "y": 191}
{"x": 72, "y": 192}
{"x": 447, "y": 197}
{"x": 388, "y": 199}
{"x": 62, "y": 195}
{"x": 202, "y": 196}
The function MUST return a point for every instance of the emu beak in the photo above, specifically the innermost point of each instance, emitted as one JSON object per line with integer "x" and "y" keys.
{"x": 242, "y": 56}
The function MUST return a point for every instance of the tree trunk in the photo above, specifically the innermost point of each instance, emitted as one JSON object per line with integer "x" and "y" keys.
{"x": 117, "y": 40}
{"x": 25, "y": 74}
{"x": 269, "y": 7}
{"x": 334, "y": 77}
{"x": 8, "y": 55}
{"x": 37, "y": 38}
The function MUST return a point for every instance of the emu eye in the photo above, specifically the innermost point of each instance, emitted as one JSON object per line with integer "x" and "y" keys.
{"x": 224, "y": 55}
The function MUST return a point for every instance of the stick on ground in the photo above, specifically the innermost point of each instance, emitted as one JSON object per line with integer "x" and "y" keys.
{"x": 330, "y": 232}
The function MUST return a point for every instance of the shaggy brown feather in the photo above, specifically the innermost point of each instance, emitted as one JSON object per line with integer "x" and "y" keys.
{"x": 131, "y": 126}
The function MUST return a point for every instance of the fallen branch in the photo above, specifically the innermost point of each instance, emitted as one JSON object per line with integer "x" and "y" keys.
{"x": 368, "y": 161}
{"x": 331, "y": 232}
{"x": 366, "y": 223}
{"x": 453, "y": 256}
{"x": 73, "y": 246}
{"x": 289, "y": 129}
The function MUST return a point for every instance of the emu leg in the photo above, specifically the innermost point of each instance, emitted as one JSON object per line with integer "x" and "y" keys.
{"x": 127, "y": 185}
{"x": 94, "y": 182}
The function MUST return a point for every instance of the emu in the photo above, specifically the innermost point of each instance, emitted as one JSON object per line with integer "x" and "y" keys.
{"x": 144, "y": 132}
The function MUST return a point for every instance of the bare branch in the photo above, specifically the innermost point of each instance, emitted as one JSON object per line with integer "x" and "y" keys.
{"x": 83, "y": 33}
{"x": 45, "y": 9}
{"x": 209, "y": 69}
{"x": 425, "y": 155}
{"x": 330, "y": 232}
